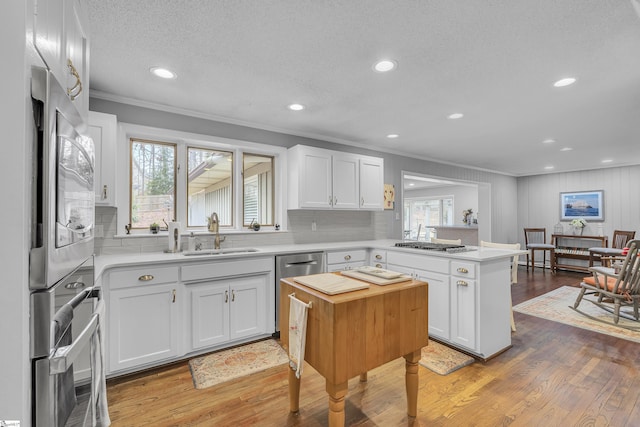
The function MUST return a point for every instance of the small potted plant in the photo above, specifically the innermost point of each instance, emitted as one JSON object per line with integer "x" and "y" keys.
{"x": 155, "y": 227}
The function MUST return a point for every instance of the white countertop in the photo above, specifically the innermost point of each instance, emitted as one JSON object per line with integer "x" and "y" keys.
{"x": 103, "y": 262}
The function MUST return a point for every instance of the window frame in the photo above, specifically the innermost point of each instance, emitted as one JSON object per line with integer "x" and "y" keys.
{"x": 208, "y": 142}
{"x": 273, "y": 188}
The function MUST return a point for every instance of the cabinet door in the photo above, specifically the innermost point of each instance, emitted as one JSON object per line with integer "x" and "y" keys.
{"x": 76, "y": 61}
{"x": 463, "y": 312}
{"x": 103, "y": 129}
{"x": 248, "y": 312}
{"x": 315, "y": 179}
{"x": 346, "y": 182}
{"x": 48, "y": 35}
{"x": 371, "y": 183}
{"x": 143, "y": 325}
{"x": 209, "y": 314}
{"x": 439, "y": 303}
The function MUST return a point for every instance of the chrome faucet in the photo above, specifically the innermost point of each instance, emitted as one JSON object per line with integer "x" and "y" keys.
{"x": 214, "y": 227}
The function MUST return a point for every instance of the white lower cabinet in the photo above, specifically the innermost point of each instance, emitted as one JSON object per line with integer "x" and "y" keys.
{"x": 346, "y": 260}
{"x": 227, "y": 309}
{"x": 143, "y": 325}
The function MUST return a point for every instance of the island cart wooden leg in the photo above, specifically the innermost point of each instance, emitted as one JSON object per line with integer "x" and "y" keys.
{"x": 337, "y": 393}
{"x": 363, "y": 378}
{"x": 294, "y": 391}
{"x": 411, "y": 382}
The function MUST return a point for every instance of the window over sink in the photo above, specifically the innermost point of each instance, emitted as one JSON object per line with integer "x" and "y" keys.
{"x": 175, "y": 176}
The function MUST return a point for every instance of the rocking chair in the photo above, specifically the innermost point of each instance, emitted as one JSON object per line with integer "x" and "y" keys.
{"x": 612, "y": 290}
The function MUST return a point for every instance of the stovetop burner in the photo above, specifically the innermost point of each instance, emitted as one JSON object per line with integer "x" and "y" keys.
{"x": 428, "y": 246}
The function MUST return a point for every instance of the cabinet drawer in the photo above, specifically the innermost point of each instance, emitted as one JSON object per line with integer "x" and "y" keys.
{"x": 463, "y": 269}
{"x": 346, "y": 256}
{"x": 422, "y": 262}
{"x": 228, "y": 268}
{"x": 378, "y": 257}
{"x": 151, "y": 275}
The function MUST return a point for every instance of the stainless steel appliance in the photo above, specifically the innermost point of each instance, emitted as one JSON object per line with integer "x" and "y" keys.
{"x": 293, "y": 265}
{"x": 428, "y": 246}
{"x": 64, "y": 304}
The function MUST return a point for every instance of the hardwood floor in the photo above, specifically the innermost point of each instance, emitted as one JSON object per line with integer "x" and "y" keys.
{"x": 554, "y": 375}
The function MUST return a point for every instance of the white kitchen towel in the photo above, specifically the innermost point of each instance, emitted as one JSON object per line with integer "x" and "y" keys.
{"x": 297, "y": 333}
{"x": 98, "y": 409}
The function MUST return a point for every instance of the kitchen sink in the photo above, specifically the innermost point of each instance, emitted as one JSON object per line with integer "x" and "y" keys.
{"x": 219, "y": 251}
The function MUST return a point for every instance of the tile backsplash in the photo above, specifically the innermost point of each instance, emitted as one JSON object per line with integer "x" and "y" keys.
{"x": 330, "y": 226}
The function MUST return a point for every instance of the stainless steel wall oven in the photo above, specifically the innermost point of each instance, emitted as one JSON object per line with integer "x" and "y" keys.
{"x": 65, "y": 306}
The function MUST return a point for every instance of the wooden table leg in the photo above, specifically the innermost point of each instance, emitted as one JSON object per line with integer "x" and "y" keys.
{"x": 411, "y": 381}
{"x": 337, "y": 393}
{"x": 363, "y": 378}
{"x": 294, "y": 391}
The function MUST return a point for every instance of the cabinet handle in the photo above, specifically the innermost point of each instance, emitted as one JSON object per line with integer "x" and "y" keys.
{"x": 335, "y": 201}
{"x": 226, "y": 296}
{"x": 145, "y": 277}
{"x": 378, "y": 265}
{"x": 78, "y": 86}
{"x": 75, "y": 285}
{"x": 173, "y": 299}
{"x": 233, "y": 295}
{"x": 347, "y": 257}
{"x": 462, "y": 283}
{"x": 362, "y": 201}
{"x": 378, "y": 256}
{"x": 330, "y": 201}
{"x": 462, "y": 270}
{"x": 104, "y": 192}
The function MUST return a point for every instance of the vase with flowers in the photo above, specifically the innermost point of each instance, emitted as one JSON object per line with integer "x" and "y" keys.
{"x": 578, "y": 225}
{"x": 467, "y": 216}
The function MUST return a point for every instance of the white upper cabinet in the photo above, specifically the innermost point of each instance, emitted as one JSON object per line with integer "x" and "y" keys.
{"x": 371, "y": 183}
{"x": 61, "y": 38}
{"x": 103, "y": 131}
{"x": 324, "y": 179}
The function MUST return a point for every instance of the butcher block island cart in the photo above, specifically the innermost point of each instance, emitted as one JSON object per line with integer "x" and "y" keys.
{"x": 350, "y": 333}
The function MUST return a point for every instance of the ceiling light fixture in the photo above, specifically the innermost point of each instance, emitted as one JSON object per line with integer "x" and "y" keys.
{"x": 296, "y": 107}
{"x": 565, "y": 82}
{"x": 385, "y": 65}
{"x": 548, "y": 141}
{"x": 163, "y": 73}
{"x": 566, "y": 149}
{"x": 607, "y": 161}
{"x": 548, "y": 167}
{"x": 393, "y": 136}
{"x": 455, "y": 116}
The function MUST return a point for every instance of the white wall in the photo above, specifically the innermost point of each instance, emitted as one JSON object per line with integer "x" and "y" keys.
{"x": 539, "y": 199}
{"x": 14, "y": 215}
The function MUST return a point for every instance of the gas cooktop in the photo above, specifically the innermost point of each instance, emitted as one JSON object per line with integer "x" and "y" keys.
{"x": 428, "y": 246}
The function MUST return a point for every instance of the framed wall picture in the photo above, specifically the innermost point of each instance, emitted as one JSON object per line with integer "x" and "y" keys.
{"x": 582, "y": 204}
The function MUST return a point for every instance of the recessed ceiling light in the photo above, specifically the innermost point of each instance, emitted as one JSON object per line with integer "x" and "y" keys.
{"x": 163, "y": 72}
{"x": 548, "y": 167}
{"x": 607, "y": 161}
{"x": 455, "y": 116}
{"x": 566, "y": 149}
{"x": 385, "y": 65}
{"x": 565, "y": 82}
{"x": 296, "y": 107}
{"x": 393, "y": 136}
{"x": 548, "y": 141}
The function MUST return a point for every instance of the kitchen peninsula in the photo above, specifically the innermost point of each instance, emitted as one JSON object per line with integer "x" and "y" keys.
{"x": 469, "y": 297}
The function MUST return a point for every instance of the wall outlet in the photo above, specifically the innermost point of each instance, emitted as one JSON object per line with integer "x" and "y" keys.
{"x": 314, "y": 226}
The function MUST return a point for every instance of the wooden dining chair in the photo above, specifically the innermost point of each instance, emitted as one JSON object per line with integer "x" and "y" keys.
{"x": 535, "y": 239}
{"x": 514, "y": 267}
{"x": 619, "y": 241}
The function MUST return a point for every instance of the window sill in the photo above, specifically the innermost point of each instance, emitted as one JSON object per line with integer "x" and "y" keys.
{"x": 197, "y": 233}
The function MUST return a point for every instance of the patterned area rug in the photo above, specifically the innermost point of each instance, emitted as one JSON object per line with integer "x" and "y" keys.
{"x": 442, "y": 359}
{"x": 554, "y": 306}
{"x": 237, "y": 362}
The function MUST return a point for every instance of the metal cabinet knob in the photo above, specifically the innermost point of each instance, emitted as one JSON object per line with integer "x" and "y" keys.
{"x": 347, "y": 257}
{"x": 462, "y": 270}
{"x": 378, "y": 256}
{"x": 378, "y": 265}
{"x": 462, "y": 283}
{"x": 145, "y": 277}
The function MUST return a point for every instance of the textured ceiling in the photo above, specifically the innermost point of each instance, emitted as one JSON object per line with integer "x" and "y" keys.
{"x": 244, "y": 61}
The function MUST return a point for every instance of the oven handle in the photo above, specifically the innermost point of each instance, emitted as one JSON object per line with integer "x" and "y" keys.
{"x": 63, "y": 357}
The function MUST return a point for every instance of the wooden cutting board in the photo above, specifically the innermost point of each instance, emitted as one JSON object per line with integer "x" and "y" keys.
{"x": 331, "y": 284}
{"x": 374, "y": 279}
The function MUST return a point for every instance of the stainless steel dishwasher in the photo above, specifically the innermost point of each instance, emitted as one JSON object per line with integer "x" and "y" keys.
{"x": 293, "y": 265}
